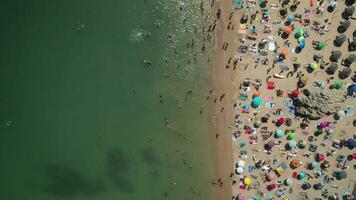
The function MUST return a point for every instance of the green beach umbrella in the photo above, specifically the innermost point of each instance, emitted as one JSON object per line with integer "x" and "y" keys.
{"x": 292, "y": 136}
{"x": 320, "y": 45}
{"x": 306, "y": 186}
{"x": 300, "y": 39}
{"x": 257, "y": 124}
{"x": 340, "y": 175}
{"x": 337, "y": 84}
{"x": 299, "y": 32}
{"x": 318, "y": 132}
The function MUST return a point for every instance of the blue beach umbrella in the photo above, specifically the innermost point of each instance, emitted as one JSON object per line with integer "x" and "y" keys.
{"x": 292, "y": 144}
{"x": 302, "y": 45}
{"x": 278, "y": 134}
{"x": 256, "y": 101}
{"x": 313, "y": 165}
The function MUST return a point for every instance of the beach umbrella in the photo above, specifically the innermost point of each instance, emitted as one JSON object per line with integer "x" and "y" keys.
{"x": 344, "y": 26}
{"x": 335, "y": 56}
{"x": 294, "y": 164}
{"x": 306, "y": 186}
{"x": 264, "y": 119}
{"x": 302, "y": 144}
{"x": 332, "y": 68}
{"x": 271, "y": 186}
{"x": 349, "y": 60}
{"x": 339, "y": 40}
{"x": 247, "y": 181}
{"x": 344, "y": 73}
{"x": 299, "y": 33}
{"x": 278, "y": 133}
{"x": 288, "y": 181}
{"x": 241, "y": 163}
{"x": 352, "y": 45}
{"x": 279, "y": 170}
{"x": 290, "y": 18}
{"x": 256, "y": 101}
{"x": 256, "y": 93}
{"x": 351, "y": 89}
{"x": 292, "y": 136}
{"x": 270, "y": 176}
{"x": 280, "y": 121}
{"x": 341, "y": 113}
{"x": 349, "y": 11}
{"x": 313, "y": 165}
{"x": 323, "y": 124}
{"x": 301, "y": 45}
{"x": 288, "y": 30}
{"x": 301, "y": 39}
{"x": 340, "y": 158}
{"x": 319, "y": 157}
{"x": 325, "y": 164}
{"x": 240, "y": 197}
{"x": 283, "y": 12}
{"x": 351, "y": 143}
{"x": 301, "y": 176}
{"x": 314, "y": 66}
{"x": 257, "y": 123}
{"x": 295, "y": 93}
{"x": 320, "y": 45}
{"x": 284, "y": 52}
{"x": 269, "y": 145}
{"x": 239, "y": 170}
{"x": 318, "y": 132}
{"x": 292, "y": 144}
{"x": 289, "y": 122}
{"x": 337, "y": 84}
{"x": 340, "y": 175}
{"x": 317, "y": 186}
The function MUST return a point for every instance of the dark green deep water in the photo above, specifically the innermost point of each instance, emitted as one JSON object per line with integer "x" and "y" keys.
{"x": 80, "y": 116}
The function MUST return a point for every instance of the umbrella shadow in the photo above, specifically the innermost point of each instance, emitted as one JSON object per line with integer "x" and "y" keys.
{"x": 118, "y": 169}
{"x": 66, "y": 182}
{"x": 148, "y": 155}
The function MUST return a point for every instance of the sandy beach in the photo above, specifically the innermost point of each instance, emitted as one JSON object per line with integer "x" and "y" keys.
{"x": 273, "y": 72}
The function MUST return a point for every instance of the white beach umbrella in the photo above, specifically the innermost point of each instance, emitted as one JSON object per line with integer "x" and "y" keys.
{"x": 239, "y": 170}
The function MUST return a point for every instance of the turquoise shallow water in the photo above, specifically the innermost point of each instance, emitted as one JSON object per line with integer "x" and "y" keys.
{"x": 80, "y": 116}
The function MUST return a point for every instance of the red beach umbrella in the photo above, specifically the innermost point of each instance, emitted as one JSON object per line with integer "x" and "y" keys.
{"x": 319, "y": 157}
{"x": 271, "y": 187}
{"x": 280, "y": 121}
{"x": 295, "y": 93}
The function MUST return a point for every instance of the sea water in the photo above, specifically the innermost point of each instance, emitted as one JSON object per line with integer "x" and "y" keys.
{"x": 81, "y": 117}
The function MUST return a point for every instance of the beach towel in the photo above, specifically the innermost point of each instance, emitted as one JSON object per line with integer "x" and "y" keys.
{"x": 349, "y": 111}
{"x": 270, "y": 104}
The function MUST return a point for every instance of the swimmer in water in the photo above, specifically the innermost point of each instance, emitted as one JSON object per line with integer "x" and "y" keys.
{"x": 146, "y": 62}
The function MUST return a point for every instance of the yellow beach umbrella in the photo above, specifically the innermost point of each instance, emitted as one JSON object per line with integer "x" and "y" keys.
{"x": 247, "y": 181}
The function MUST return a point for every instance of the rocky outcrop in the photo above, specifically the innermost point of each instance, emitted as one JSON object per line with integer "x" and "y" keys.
{"x": 318, "y": 103}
